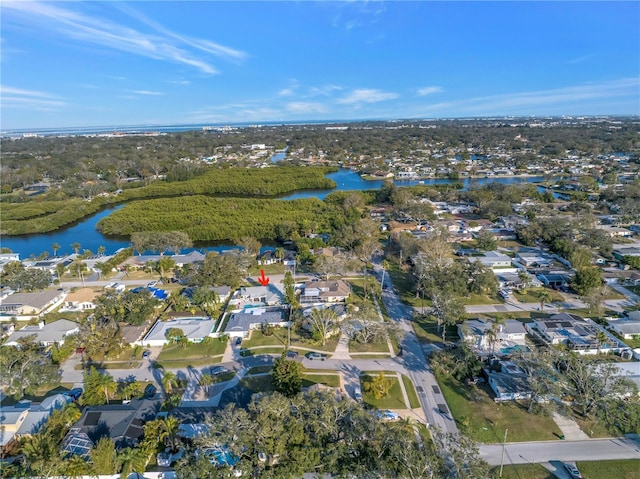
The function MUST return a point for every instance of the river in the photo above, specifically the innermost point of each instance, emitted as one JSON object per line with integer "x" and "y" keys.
{"x": 85, "y": 232}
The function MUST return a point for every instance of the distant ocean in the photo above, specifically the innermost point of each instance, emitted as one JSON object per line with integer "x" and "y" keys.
{"x": 132, "y": 129}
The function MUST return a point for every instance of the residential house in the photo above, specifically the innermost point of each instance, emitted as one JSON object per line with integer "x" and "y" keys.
{"x": 25, "y": 419}
{"x": 554, "y": 280}
{"x": 194, "y": 329}
{"x": 578, "y": 334}
{"x": 615, "y": 231}
{"x": 621, "y": 252}
{"x": 267, "y": 257}
{"x": 242, "y": 322}
{"x": 8, "y": 258}
{"x": 45, "y": 334}
{"x": 123, "y": 423}
{"x": 494, "y": 259}
{"x": 332, "y": 291}
{"x": 532, "y": 259}
{"x": 627, "y": 328}
{"x": 189, "y": 258}
{"x": 80, "y": 300}
{"x": 268, "y": 295}
{"x": 31, "y": 304}
{"x": 510, "y": 383}
{"x": 509, "y": 336}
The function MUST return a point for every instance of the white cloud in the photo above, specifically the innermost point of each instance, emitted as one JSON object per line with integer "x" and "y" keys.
{"x": 179, "y": 82}
{"x": 429, "y": 90}
{"x": 147, "y": 92}
{"x": 161, "y": 44}
{"x": 286, "y": 92}
{"x": 305, "y": 107}
{"x": 527, "y": 102}
{"x": 324, "y": 90}
{"x": 367, "y": 95}
{"x": 30, "y": 99}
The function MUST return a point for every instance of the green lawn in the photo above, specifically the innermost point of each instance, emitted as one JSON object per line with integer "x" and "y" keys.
{"x": 480, "y": 299}
{"x": 393, "y": 400}
{"x": 356, "y": 347}
{"x": 414, "y": 402}
{"x": 259, "y": 370}
{"x": 279, "y": 338}
{"x": 254, "y": 271}
{"x": 484, "y": 420}
{"x": 109, "y": 365}
{"x": 426, "y": 328}
{"x": 257, "y": 383}
{"x": 532, "y": 295}
{"x": 624, "y": 469}
{"x": 193, "y": 350}
{"x": 331, "y": 380}
{"x": 40, "y": 394}
{"x": 591, "y": 426}
{"x": 403, "y": 282}
{"x": 188, "y": 363}
{"x": 522, "y": 471}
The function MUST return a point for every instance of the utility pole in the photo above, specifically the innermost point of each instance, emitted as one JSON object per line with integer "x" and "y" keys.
{"x": 504, "y": 443}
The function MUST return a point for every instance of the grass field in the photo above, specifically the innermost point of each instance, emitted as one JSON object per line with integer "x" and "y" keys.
{"x": 279, "y": 338}
{"x": 356, "y": 347}
{"x": 629, "y": 469}
{"x": 522, "y": 471}
{"x": 193, "y": 350}
{"x": 259, "y": 370}
{"x": 426, "y": 328}
{"x": 484, "y": 420}
{"x": 257, "y": 383}
{"x": 331, "y": 380}
{"x": 393, "y": 400}
{"x": 532, "y": 295}
{"x": 414, "y": 402}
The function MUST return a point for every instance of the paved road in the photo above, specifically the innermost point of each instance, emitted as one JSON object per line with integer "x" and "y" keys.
{"x": 414, "y": 362}
{"x": 566, "y": 451}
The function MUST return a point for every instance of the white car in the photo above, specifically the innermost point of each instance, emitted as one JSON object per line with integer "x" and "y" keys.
{"x": 388, "y": 415}
{"x": 573, "y": 471}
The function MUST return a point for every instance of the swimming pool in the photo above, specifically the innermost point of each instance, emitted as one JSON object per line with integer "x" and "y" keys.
{"x": 514, "y": 349}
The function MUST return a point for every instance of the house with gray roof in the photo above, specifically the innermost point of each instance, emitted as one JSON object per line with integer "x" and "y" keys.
{"x": 27, "y": 305}
{"x": 627, "y": 328}
{"x": 121, "y": 422}
{"x": 268, "y": 295}
{"x": 509, "y": 383}
{"x": 332, "y": 291}
{"x": 494, "y": 259}
{"x": 242, "y": 322}
{"x": 25, "y": 418}
{"x": 45, "y": 334}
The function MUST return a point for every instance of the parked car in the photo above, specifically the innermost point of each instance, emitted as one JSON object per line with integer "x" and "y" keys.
{"x": 313, "y": 356}
{"x": 80, "y": 350}
{"x": 292, "y": 354}
{"x": 357, "y": 393}
{"x": 238, "y": 340}
{"x": 219, "y": 370}
{"x": 387, "y": 415}
{"x": 572, "y": 470}
{"x": 146, "y": 354}
{"x": 152, "y": 284}
{"x": 149, "y": 391}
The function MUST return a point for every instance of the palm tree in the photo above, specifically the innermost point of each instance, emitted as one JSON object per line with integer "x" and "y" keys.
{"x": 493, "y": 332}
{"x": 171, "y": 427}
{"x": 279, "y": 253}
{"x": 601, "y": 338}
{"x": 60, "y": 269}
{"x": 101, "y": 250}
{"x": 131, "y": 459}
{"x": 206, "y": 381}
{"x": 76, "y": 247}
{"x": 108, "y": 385}
{"x": 523, "y": 276}
{"x": 545, "y": 297}
{"x": 163, "y": 264}
{"x": 55, "y": 247}
{"x": 169, "y": 382}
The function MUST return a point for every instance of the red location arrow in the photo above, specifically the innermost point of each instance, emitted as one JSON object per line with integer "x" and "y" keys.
{"x": 263, "y": 281}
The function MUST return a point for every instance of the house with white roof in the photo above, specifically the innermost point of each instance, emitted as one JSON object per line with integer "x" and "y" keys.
{"x": 627, "y": 328}
{"x": 194, "y": 329}
{"x": 45, "y": 334}
{"x": 509, "y": 336}
{"x": 494, "y": 259}
{"x": 268, "y": 295}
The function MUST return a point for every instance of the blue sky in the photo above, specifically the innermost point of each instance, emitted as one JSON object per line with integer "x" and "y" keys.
{"x": 67, "y": 64}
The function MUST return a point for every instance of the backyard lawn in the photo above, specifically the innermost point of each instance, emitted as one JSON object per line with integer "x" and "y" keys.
{"x": 393, "y": 400}
{"x": 484, "y": 420}
{"x": 195, "y": 354}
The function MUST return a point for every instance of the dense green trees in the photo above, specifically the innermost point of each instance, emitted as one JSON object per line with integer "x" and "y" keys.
{"x": 280, "y": 437}
{"x": 26, "y": 367}
{"x": 19, "y": 278}
{"x": 287, "y": 375}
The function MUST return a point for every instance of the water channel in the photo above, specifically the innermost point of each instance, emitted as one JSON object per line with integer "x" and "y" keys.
{"x": 85, "y": 232}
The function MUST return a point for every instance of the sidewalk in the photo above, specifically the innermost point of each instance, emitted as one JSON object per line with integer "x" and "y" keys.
{"x": 569, "y": 427}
